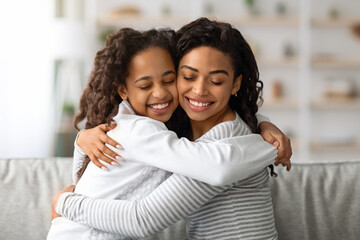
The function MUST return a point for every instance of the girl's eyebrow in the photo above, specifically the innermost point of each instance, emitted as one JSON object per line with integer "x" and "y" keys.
{"x": 143, "y": 78}
{"x": 168, "y": 72}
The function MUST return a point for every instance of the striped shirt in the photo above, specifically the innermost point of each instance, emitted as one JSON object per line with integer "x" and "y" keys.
{"x": 242, "y": 210}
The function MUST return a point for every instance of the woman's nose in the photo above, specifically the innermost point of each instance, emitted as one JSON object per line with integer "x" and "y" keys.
{"x": 199, "y": 87}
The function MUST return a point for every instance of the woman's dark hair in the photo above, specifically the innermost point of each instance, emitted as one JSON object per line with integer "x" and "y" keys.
{"x": 229, "y": 40}
{"x": 100, "y": 100}
{"x": 225, "y": 38}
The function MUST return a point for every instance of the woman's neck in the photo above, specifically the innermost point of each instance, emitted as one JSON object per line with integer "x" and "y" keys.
{"x": 199, "y": 128}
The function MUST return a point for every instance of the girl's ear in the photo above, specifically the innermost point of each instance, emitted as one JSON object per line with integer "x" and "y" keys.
{"x": 236, "y": 85}
{"x": 122, "y": 92}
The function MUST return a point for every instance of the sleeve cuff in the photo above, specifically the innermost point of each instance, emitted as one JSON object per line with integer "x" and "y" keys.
{"x": 262, "y": 118}
{"x": 77, "y": 147}
{"x": 61, "y": 202}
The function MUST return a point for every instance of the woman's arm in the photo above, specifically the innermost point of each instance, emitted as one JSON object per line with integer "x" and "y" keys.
{"x": 174, "y": 199}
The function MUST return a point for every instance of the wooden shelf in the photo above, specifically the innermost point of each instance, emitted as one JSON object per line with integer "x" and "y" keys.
{"x": 333, "y": 104}
{"x": 279, "y": 104}
{"x": 335, "y": 62}
{"x": 263, "y": 21}
{"x": 336, "y": 147}
{"x": 136, "y": 19}
{"x": 279, "y": 62}
{"x": 335, "y": 22}
{"x": 116, "y": 20}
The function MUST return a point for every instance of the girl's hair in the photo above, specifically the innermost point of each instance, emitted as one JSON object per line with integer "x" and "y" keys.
{"x": 100, "y": 100}
{"x": 225, "y": 38}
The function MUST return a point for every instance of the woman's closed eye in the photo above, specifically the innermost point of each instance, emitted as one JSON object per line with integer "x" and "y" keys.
{"x": 189, "y": 77}
{"x": 216, "y": 83}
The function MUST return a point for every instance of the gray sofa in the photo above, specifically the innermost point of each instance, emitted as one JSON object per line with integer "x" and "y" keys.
{"x": 313, "y": 201}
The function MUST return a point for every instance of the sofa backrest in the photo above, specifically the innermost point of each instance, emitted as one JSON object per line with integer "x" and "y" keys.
{"x": 312, "y": 201}
{"x": 318, "y": 200}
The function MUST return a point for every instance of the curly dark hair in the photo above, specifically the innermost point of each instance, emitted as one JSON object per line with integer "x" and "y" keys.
{"x": 99, "y": 102}
{"x": 225, "y": 38}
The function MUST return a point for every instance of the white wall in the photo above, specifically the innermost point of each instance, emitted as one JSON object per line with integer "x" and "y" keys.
{"x": 25, "y": 74}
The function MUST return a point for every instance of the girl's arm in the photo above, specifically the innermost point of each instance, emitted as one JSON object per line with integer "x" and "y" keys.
{"x": 217, "y": 162}
{"x": 174, "y": 199}
{"x": 79, "y": 158}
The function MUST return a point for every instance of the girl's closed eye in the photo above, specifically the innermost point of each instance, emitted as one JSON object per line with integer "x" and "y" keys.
{"x": 145, "y": 87}
{"x": 169, "y": 80}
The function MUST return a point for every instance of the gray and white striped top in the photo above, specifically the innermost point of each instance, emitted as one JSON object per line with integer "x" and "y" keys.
{"x": 242, "y": 210}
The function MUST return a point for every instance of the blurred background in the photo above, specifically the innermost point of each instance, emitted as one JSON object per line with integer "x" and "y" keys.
{"x": 308, "y": 52}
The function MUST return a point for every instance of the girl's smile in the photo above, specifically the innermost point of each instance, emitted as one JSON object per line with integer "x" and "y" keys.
{"x": 160, "y": 107}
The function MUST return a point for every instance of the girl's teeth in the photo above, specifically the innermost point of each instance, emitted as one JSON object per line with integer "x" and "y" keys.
{"x": 197, "y": 104}
{"x": 160, "y": 106}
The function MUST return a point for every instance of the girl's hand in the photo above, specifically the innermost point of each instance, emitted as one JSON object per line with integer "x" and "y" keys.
{"x": 53, "y": 206}
{"x": 93, "y": 140}
{"x": 276, "y": 137}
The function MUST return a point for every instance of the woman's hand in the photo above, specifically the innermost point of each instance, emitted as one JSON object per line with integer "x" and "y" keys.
{"x": 53, "y": 206}
{"x": 276, "y": 137}
{"x": 93, "y": 140}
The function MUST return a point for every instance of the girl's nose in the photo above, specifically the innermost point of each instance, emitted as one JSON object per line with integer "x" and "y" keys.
{"x": 159, "y": 92}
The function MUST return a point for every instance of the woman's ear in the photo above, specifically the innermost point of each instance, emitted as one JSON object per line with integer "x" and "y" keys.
{"x": 236, "y": 85}
{"x": 122, "y": 92}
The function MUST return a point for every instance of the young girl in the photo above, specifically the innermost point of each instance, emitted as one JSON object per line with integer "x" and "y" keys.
{"x": 147, "y": 83}
{"x": 218, "y": 89}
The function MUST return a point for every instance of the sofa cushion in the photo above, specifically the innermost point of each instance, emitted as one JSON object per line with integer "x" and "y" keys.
{"x": 27, "y": 187}
{"x": 319, "y": 200}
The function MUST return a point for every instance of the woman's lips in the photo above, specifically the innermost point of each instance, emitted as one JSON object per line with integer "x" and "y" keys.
{"x": 198, "y": 105}
{"x": 160, "y": 107}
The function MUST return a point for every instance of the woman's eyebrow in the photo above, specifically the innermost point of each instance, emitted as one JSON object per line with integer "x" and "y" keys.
{"x": 168, "y": 72}
{"x": 188, "y": 67}
{"x": 219, "y": 71}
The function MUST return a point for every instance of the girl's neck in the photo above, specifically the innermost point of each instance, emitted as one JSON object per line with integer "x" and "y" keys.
{"x": 199, "y": 128}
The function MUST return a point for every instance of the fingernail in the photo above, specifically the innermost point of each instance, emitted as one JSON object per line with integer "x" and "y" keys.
{"x": 118, "y": 158}
{"x": 119, "y": 147}
{"x": 114, "y": 163}
{"x": 104, "y": 168}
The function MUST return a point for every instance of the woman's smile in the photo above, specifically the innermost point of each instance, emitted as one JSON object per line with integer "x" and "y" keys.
{"x": 198, "y": 104}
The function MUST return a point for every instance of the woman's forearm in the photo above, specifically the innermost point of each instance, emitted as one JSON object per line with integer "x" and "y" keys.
{"x": 169, "y": 202}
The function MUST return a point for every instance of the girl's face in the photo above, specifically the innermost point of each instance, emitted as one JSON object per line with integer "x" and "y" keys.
{"x": 151, "y": 84}
{"x": 205, "y": 83}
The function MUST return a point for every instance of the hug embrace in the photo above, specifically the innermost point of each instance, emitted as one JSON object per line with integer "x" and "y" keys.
{"x": 172, "y": 132}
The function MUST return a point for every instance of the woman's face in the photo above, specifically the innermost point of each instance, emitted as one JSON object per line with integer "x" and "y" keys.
{"x": 151, "y": 84}
{"x": 205, "y": 83}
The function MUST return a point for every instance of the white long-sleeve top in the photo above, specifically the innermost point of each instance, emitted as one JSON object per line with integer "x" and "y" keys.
{"x": 220, "y": 162}
{"x": 246, "y": 205}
